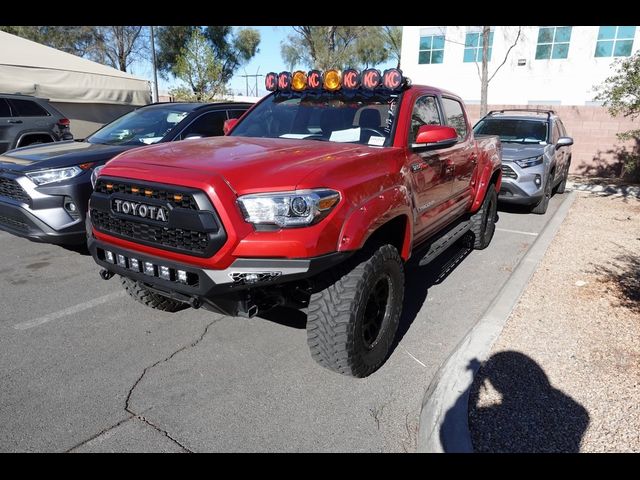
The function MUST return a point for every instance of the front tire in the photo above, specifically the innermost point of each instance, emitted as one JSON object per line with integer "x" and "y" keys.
{"x": 352, "y": 320}
{"x": 541, "y": 207}
{"x": 150, "y": 299}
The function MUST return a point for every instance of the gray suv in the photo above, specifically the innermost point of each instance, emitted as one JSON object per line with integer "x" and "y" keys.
{"x": 27, "y": 120}
{"x": 536, "y": 154}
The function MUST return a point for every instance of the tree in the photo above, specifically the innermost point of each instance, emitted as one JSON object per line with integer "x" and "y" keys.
{"x": 118, "y": 46}
{"x": 231, "y": 47}
{"x": 77, "y": 40}
{"x": 326, "y": 47}
{"x": 393, "y": 41}
{"x": 198, "y": 67}
{"x": 484, "y": 73}
{"x": 620, "y": 93}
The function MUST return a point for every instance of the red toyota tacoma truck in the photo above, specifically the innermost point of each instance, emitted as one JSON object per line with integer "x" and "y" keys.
{"x": 315, "y": 199}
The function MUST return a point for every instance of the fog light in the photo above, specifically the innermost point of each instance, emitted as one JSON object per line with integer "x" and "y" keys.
{"x": 251, "y": 278}
{"x": 538, "y": 180}
{"x": 122, "y": 262}
{"x": 134, "y": 264}
{"x": 109, "y": 256}
{"x": 165, "y": 272}
{"x": 149, "y": 268}
{"x": 182, "y": 276}
{"x": 70, "y": 206}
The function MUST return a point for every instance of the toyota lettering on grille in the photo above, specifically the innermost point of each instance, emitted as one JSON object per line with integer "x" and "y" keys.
{"x": 142, "y": 210}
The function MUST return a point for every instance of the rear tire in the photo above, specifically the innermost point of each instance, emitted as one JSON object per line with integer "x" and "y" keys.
{"x": 150, "y": 299}
{"x": 352, "y": 320}
{"x": 483, "y": 222}
{"x": 563, "y": 184}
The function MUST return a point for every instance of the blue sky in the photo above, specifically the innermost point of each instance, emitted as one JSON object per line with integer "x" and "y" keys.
{"x": 267, "y": 59}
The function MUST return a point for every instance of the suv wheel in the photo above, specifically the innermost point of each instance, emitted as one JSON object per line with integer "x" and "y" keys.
{"x": 483, "y": 222}
{"x": 151, "y": 299}
{"x": 563, "y": 184}
{"x": 541, "y": 207}
{"x": 352, "y": 320}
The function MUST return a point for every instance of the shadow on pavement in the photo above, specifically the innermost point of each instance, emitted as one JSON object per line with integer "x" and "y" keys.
{"x": 522, "y": 412}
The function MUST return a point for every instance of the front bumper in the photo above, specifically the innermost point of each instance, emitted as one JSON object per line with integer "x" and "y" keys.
{"x": 519, "y": 184}
{"x": 228, "y": 291}
{"x": 40, "y": 214}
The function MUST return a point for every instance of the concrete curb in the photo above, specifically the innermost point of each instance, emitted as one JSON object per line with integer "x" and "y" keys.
{"x": 447, "y": 396}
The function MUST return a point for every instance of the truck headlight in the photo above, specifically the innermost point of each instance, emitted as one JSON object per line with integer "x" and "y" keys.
{"x": 288, "y": 209}
{"x": 94, "y": 175}
{"x": 530, "y": 162}
{"x": 54, "y": 175}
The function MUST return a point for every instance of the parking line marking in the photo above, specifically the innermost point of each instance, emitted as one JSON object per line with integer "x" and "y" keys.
{"x": 68, "y": 311}
{"x": 405, "y": 351}
{"x": 516, "y": 231}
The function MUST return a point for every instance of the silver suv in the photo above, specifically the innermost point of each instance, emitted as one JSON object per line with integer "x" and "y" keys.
{"x": 536, "y": 154}
{"x": 27, "y": 120}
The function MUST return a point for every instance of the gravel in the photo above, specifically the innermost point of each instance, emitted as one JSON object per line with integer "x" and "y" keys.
{"x": 564, "y": 376}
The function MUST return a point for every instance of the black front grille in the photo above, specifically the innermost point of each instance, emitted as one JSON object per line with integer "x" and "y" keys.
{"x": 174, "y": 197}
{"x": 12, "y": 189}
{"x": 193, "y": 226}
{"x": 190, "y": 241}
{"x": 13, "y": 223}
{"x": 507, "y": 171}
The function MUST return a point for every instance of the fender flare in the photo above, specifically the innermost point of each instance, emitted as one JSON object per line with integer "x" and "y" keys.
{"x": 373, "y": 213}
{"x": 483, "y": 181}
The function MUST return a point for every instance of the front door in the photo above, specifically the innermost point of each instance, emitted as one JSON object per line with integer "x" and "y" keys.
{"x": 428, "y": 170}
{"x": 461, "y": 158}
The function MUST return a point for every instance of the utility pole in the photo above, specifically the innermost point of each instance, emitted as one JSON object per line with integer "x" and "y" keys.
{"x": 155, "y": 71}
{"x": 246, "y": 81}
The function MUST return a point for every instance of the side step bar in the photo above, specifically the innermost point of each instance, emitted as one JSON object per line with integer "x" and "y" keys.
{"x": 447, "y": 239}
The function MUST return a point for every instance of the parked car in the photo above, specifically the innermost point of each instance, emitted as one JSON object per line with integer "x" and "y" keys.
{"x": 27, "y": 120}
{"x": 315, "y": 199}
{"x": 44, "y": 189}
{"x": 536, "y": 154}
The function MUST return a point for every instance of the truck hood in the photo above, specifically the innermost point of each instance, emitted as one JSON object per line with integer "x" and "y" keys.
{"x": 518, "y": 151}
{"x": 58, "y": 154}
{"x": 248, "y": 165}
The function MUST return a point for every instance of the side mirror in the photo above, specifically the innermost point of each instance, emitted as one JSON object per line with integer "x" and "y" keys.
{"x": 229, "y": 124}
{"x": 432, "y": 137}
{"x": 564, "y": 142}
{"x": 193, "y": 136}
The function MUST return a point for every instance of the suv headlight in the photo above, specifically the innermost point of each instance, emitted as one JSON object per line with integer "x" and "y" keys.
{"x": 94, "y": 175}
{"x": 288, "y": 209}
{"x": 54, "y": 175}
{"x": 530, "y": 162}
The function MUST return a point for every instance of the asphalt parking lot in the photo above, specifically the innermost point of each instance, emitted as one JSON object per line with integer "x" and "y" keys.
{"x": 85, "y": 368}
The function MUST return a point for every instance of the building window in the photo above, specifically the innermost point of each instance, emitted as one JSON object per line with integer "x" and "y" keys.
{"x": 553, "y": 42}
{"x": 473, "y": 47}
{"x": 431, "y": 49}
{"x": 615, "y": 41}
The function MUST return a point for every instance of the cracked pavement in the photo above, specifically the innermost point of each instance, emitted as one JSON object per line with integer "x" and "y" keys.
{"x": 85, "y": 370}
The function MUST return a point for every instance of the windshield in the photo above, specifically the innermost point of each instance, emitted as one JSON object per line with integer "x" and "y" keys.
{"x": 513, "y": 130}
{"x": 326, "y": 117}
{"x": 144, "y": 126}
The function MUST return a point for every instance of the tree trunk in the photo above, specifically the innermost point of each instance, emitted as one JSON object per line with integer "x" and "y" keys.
{"x": 484, "y": 79}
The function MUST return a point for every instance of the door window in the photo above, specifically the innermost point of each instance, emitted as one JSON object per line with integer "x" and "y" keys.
{"x": 455, "y": 117}
{"x": 27, "y": 108}
{"x": 208, "y": 125}
{"x": 425, "y": 112}
{"x": 5, "y": 111}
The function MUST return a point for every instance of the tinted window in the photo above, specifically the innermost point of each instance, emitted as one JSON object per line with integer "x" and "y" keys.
{"x": 207, "y": 125}
{"x": 4, "y": 108}
{"x": 425, "y": 112}
{"x": 27, "y": 108}
{"x": 513, "y": 130}
{"x": 455, "y": 116}
{"x": 235, "y": 113}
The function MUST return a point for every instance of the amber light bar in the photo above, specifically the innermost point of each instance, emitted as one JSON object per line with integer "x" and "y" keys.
{"x": 334, "y": 80}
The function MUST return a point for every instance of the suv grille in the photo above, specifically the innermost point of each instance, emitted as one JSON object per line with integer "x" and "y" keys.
{"x": 12, "y": 189}
{"x": 507, "y": 171}
{"x": 193, "y": 226}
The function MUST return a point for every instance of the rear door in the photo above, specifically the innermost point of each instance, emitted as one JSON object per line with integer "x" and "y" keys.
{"x": 6, "y": 127}
{"x": 461, "y": 158}
{"x": 31, "y": 117}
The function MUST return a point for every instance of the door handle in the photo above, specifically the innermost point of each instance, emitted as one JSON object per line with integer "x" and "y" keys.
{"x": 14, "y": 121}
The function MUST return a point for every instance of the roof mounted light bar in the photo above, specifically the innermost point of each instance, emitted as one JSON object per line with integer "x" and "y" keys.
{"x": 334, "y": 80}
